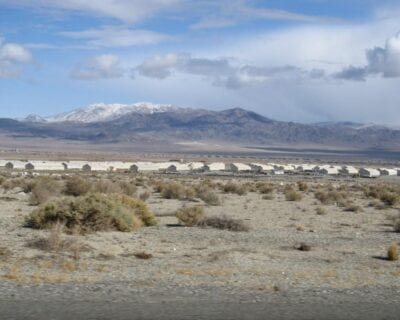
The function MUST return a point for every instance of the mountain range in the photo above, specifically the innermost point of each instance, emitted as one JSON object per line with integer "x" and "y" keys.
{"x": 150, "y": 122}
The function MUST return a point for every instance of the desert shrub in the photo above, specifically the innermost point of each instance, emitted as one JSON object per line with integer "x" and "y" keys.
{"x": 292, "y": 195}
{"x": 43, "y": 189}
{"x": 389, "y": 198}
{"x": 2, "y": 179}
{"x": 190, "y": 216}
{"x": 106, "y": 186}
{"x": 26, "y": 184}
{"x": 321, "y": 211}
{"x": 93, "y": 212}
{"x": 388, "y": 194}
{"x": 223, "y": 223}
{"x": 76, "y": 186}
{"x": 302, "y": 186}
{"x": 207, "y": 195}
{"x": 231, "y": 187}
{"x": 330, "y": 197}
{"x": 175, "y": 190}
{"x": 265, "y": 188}
{"x": 144, "y": 196}
{"x": 128, "y": 188}
{"x": 393, "y": 252}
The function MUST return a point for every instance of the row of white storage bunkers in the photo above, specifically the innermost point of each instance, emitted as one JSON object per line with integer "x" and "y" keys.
{"x": 175, "y": 166}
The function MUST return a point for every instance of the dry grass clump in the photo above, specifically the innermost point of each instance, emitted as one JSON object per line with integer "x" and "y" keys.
{"x": 232, "y": 187}
{"x": 388, "y": 194}
{"x": 143, "y": 255}
{"x": 265, "y": 188}
{"x": 223, "y": 223}
{"x": 106, "y": 186}
{"x": 330, "y": 197}
{"x": 175, "y": 190}
{"x": 393, "y": 252}
{"x": 302, "y": 186}
{"x": 268, "y": 196}
{"x": 26, "y": 184}
{"x": 76, "y": 186}
{"x": 292, "y": 195}
{"x": 43, "y": 189}
{"x": 207, "y": 194}
{"x": 93, "y": 212}
{"x": 321, "y": 211}
{"x": 144, "y": 196}
{"x": 128, "y": 188}
{"x": 190, "y": 216}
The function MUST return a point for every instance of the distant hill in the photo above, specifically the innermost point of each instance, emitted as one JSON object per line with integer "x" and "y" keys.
{"x": 147, "y": 122}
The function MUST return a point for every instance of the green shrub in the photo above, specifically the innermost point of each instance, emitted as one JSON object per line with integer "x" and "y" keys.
{"x": 190, "y": 216}
{"x": 93, "y": 212}
{"x": 76, "y": 186}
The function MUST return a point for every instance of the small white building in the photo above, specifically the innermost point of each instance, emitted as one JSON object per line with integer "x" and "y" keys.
{"x": 388, "y": 172}
{"x": 369, "y": 173}
{"x": 260, "y": 167}
{"x": 332, "y": 171}
{"x": 196, "y": 166}
{"x": 349, "y": 171}
{"x": 239, "y": 167}
{"x": 214, "y": 167}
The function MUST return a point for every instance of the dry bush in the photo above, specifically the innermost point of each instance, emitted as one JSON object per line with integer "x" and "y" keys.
{"x": 208, "y": 195}
{"x": 190, "y": 216}
{"x": 26, "y": 184}
{"x": 321, "y": 211}
{"x": 388, "y": 194}
{"x": 393, "y": 252}
{"x": 4, "y": 253}
{"x": 232, "y": 187}
{"x": 293, "y": 195}
{"x": 175, "y": 190}
{"x": 304, "y": 247}
{"x": 106, "y": 186}
{"x": 265, "y": 188}
{"x": 76, "y": 186}
{"x": 93, "y": 212}
{"x": 128, "y": 188}
{"x": 43, "y": 189}
{"x": 143, "y": 255}
{"x": 144, "y": 196}
{"x": 224, "y": 223}
{"x": 331, "y": 197}
{"x": 302, "y": 186}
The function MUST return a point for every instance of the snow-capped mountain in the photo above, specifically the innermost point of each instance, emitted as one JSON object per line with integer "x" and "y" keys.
{"x": 100, "y": 112}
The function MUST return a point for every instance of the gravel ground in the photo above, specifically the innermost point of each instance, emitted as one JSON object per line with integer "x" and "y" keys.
{"x": 208, "y": 273}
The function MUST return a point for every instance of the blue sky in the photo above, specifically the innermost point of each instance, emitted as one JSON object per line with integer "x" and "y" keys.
{"x": 296, "y": 60}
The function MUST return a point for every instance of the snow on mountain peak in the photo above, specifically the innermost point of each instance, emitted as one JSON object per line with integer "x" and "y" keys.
{"x": 99, "y": 112}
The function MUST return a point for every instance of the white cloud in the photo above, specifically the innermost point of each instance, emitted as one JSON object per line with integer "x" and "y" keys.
{"x": 116, "y": 37}
{"x": 11, "y": 56}
{"x": 125, "y": 10}
{"x": 106, "y": 66}
{"x": 222, "y": 71}
{"x": 380, "y": 61}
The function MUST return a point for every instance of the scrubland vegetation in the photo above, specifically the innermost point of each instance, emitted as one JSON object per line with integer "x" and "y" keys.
{"x": 91, "y": 222}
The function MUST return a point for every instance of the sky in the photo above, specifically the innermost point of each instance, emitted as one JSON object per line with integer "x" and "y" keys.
{"x": 291, "y": 60}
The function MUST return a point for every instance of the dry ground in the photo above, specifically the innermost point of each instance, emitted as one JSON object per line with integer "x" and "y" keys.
{"x": 347, "y": 249}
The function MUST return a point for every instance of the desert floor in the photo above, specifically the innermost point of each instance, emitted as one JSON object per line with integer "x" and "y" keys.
{"x": 347, "y": 249}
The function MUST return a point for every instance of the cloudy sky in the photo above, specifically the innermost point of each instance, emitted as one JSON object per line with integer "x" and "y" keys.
{"x": 297, "y": 60}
